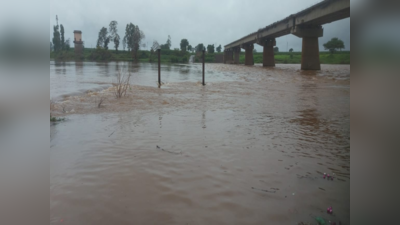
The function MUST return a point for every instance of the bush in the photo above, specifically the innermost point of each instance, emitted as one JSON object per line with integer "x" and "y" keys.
{"x": 184, "y": 59}
{"x": 122, "y": 84}
{"x": 100, "y": 54}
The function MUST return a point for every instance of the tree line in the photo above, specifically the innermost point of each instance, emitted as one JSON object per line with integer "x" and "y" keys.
{"x": 132, "y": 41}
{"x": 184, "y": 46}
{"x": 59, "y": 43}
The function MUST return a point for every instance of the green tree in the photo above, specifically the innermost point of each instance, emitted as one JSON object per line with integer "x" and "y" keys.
{"x": 133, "y": 38}
{"x": 113, "y": 30}
{"x": 167, "y": 45}
{"x": 291, "y": 53}
{"x": 129, "y": 30}
{"x": 219, "y": 48}
{"x": 56, "y": 37}
{"x": 67, "y": 45}
{"x": 276, "y": 49}
{"x": 190, "y": 48}
{"x": 333, "y": 44}
{"x": 106, "y": 43}
{"x": 102, "y": 39}
{"x": 153, "y": 48}
{"x": 184, "y": 44}
{"x": 116, "y": 42}
{"x": 137, "y": 39}
{"x": 210, "y": 48}
{"x": 199, "y": 47}
{"x": 169, "y": 42}
{"x": 62, "y": 37}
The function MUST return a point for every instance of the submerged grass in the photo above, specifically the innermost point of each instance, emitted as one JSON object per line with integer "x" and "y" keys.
{"x": 295, "y": 57}
{"x": 56, "y": 119}
{"x": 175, "y": 56}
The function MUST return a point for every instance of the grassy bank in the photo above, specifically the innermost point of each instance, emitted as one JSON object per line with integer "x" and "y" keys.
{"x": 167, "y": 56}
{"x": 285, "y": 57}
{"x": 174, "y": 56}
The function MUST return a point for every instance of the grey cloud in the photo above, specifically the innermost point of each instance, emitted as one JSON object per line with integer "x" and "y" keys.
{"x": 205, "y": 21}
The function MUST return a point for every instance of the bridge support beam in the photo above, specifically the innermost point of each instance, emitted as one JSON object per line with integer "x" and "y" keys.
{"x": 225, "y": 56}
{"x": 228, "y": 56}
{"x": 310, "y": 49}
{"x": 236, "y": 55}
{"x": 268, "y": 53}
{"x": 248, "y": 57}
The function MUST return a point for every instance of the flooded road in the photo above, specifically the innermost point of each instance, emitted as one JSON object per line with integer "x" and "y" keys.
{"x": 250, "y": 147}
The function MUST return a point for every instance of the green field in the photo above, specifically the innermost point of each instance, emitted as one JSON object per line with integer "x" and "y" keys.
{"x": 174, "y": 56}
{"x": 284, "y": 57}
{"x": 167, "y": 56}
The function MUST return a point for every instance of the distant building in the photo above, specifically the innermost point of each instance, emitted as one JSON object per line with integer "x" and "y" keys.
{"x": 78, "y": 42}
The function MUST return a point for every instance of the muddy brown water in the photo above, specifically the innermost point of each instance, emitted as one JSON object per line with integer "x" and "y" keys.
{"x": 250, "y": 147}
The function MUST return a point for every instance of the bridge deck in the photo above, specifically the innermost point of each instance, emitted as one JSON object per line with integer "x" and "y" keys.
{"x": 321, "y": 13}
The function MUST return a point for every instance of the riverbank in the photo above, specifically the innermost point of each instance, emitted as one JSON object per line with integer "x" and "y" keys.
{"x": 175, "y": 56}
{"x": 342, "y": 57}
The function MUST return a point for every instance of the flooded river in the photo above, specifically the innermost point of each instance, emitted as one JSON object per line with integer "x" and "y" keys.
{"x": 249, "y": 147}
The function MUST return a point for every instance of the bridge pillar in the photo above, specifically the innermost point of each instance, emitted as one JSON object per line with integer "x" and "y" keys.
{"x": 236, "y": 53}
{"x": 268, "y": 53}
{"x": 310, "y": 54}
{"x": 248, "y": 57}
{"x": 228, "y": 57}
{"x": 225, "y": 56}
{"x": 310, "y": 47}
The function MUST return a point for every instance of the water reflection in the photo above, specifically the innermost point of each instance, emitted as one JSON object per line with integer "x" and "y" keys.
{"x": 184, "y": 70}
{"x": 60, "y": 67}
{"x": 203, "y": 106}
{"x": 79, "y": 68}
{"x": 203, "y": 119}
{"x": 107, "y": 70}
{"x": 184, "y": 73}
{"x": 117, "y": 66}
{"x": 307, "y": 97}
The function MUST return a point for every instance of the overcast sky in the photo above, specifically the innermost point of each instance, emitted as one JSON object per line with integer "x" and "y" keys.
{"x": 201, "y": 21}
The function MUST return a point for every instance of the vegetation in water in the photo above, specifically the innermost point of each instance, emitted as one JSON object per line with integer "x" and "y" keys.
{"x": 177, "y": 56}
{"x": 56, "y": 119}
{"x": 342, "y": 57}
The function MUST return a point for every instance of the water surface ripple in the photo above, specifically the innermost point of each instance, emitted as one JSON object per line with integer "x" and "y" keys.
{"x": 250, "y": 147}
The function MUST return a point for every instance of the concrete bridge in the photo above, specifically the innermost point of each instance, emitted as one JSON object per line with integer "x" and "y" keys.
{"x": 306, "y": 24}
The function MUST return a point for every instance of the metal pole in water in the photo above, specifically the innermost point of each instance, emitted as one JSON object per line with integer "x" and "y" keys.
{"x": 203, "y": 66}
{"x": 159, "y": 68}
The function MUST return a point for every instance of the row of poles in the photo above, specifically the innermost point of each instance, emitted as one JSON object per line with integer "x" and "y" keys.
{"x": 159, "y": 67}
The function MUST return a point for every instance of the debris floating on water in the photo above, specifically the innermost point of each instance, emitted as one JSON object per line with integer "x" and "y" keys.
{"x": 263, "y": 190}
{"x": 329, "y": 210}
{"x": 176, "y": 153}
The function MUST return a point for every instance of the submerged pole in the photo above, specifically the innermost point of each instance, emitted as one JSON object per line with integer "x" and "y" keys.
{"x": 203, "y": 66}
{"x": 159, "y": 68}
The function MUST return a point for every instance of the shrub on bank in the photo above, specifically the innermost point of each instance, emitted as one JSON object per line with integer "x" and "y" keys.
{"x": 295, "y": 57}
{"x": 100, "y": 54}
{"x": 176, "y": 56}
